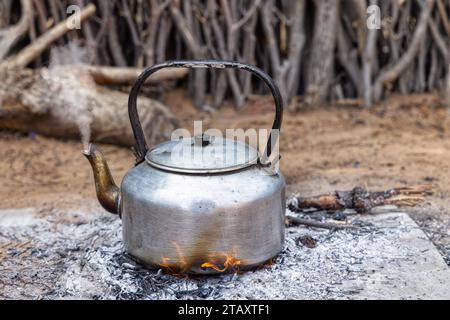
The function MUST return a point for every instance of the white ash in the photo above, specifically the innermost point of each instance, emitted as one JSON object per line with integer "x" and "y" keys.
{"x": 60, "y": 255}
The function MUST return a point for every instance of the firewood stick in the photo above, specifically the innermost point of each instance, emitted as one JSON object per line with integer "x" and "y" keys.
{"x": 290, "y": 220}
{"x": 361, "y": 199}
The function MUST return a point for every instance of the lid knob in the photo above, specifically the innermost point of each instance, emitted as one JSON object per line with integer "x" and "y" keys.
{"x": 203, "y": 140}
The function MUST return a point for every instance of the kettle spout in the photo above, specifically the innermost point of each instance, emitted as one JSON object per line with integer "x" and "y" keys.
{"x": 108, "y": 193}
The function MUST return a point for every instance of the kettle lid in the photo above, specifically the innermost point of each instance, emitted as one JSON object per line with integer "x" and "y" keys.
{"x": 202, "y": 154}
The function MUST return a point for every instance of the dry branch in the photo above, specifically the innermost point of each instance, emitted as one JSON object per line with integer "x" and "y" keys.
{"x": 369, "y": 56}
{"x": 295, "y": 221}
{"x": 444, "y": 16}
{"x": 447, "y": 88}
{"x": 286, "y": 70}
{"x": 320, "y": 67}
{"x": 10, "y": 35}
{"x": 187, "y": 26}
{"x": 393, "y": 72}
{"x": 32, "y": 51}
{"x": 361, "y": 199}
{"x": 441, "y": 44}
{"x": 116, "y": 76}
{"x": 294, "y": 41}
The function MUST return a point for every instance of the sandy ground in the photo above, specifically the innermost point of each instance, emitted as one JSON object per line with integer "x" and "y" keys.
{"x": 404, "y": 141}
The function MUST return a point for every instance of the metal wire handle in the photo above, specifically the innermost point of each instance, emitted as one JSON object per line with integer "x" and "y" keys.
{"x": 141, "y": 147}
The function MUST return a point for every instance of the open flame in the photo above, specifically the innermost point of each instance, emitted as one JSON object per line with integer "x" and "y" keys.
{"x": 221, "y": 262}
{"x": 226, "y": 263}
{"x": 182, "y": 267}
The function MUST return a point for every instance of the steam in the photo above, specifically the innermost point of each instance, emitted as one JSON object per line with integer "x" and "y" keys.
{"x": 74, "y": 84}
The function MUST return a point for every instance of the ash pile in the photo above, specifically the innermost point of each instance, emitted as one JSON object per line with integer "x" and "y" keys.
{"x": 60, "y": 254}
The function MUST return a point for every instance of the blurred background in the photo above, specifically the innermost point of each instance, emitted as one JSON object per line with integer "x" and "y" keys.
{"x": 319, "y": 50}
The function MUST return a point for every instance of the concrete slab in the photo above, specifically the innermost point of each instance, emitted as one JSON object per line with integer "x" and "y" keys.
{"x": 80, "y": 255}
{"x": 408, "y": 267}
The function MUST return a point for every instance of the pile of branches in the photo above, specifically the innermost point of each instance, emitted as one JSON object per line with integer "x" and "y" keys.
{"x": 65, "y": 98}
{"x": 316, "y": 49}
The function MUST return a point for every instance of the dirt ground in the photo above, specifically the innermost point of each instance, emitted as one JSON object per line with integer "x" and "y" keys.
{"x": 403, "y": 141}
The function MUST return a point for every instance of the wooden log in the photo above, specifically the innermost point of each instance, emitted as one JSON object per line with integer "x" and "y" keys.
{"x": 117, "y": 75}
{"x": 66, "y": 103}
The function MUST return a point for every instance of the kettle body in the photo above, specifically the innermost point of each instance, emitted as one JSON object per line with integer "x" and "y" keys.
{"x": 195, "y": 222}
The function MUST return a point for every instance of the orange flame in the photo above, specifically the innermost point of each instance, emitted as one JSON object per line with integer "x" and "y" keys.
{"x": 230, "y": 264}
{"x": 218, "y": 262}
{"x": 182, "y": 267}
{"x": 183, "y": 263}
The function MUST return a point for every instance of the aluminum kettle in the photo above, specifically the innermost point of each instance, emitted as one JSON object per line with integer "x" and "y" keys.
{"x": 218, "y": 214}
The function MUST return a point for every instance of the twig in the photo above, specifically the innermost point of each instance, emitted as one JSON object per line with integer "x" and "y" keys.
{"x": 290, "y": 220}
